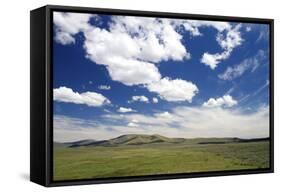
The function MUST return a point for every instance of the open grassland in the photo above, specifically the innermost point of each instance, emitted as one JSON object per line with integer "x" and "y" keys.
{"x": 89, "y": 162}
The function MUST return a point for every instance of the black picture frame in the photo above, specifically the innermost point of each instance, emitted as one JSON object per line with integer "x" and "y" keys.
{"x": 41, "y": 94}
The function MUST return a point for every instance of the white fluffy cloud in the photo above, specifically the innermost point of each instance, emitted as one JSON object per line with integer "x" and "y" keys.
{"x": 133, "y": 64}
{"x": 67, "y": 95}
{"x": 130, "y": 47}
{"x": 228, "y": 41}
{"x": 144, "y": 41}
{"x": 212, "y": 60}
{"x": 104, "y": 48}
{"x": 248, "y": 64}
{"x": 154, "y": 100}
{"x": 140, "y": 98}
{"x": 104, "y": 87}
{"x": 69, "y": 24}
{"x": 174, "y": 90}
{"x": 224, "y": 101}
{"x": 156, "y": 38}
{"x": 132, "y": 72}
{"x": 125, "y": 110}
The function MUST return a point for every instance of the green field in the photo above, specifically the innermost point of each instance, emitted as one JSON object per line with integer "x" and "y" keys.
{"x": 102, "y": 161}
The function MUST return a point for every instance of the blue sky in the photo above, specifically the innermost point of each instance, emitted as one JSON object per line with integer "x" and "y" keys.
{"x": 116, "y": 75}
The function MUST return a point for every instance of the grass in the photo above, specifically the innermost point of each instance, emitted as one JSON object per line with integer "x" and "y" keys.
{"x": 152, "y": 159}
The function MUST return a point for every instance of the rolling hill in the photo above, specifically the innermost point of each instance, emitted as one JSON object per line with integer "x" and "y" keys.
{"x": 131, "y": 139}
{"x": 142, "y": 139}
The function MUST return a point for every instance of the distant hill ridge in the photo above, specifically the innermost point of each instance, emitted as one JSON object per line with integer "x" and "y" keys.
{"x": 131, "y": 139}
{"x": 142, "y": 139}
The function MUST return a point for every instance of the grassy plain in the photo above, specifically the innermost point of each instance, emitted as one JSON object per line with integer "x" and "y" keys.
{"x": 90, "y": 162}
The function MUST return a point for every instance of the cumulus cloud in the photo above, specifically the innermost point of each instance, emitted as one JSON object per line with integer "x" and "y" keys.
{"x": 154, "y": 100}
{"x": 212, "y": 60}
{"x": 249, "y": 64}
{"x": 156, "y": 38}
{"x": 125, "y": 110}
{"x": 67, "y": 95}
{"x": 140, "y": 98}
{"x": 228, "y": 40}
{"x": 69, "y": 24}
{"x": 144, "y": 42}
{"x": 104, "y": 87}
{"x": 224, "y": 101}
{"x": 133, "y": 64}
{"x": 174, "y": 90}
{"x": 103, "y": 48}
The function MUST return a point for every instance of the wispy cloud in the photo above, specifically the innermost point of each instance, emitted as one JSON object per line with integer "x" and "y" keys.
{"x": 244, "y": 98}
{"x": 68, "y": 129}
{"x": 104, "y": 87}
{"x": 253, "y": 94}
{"x": 229, "y": 91}
{"x": 249, "y": 64}
{"x": 263, "y": 33}
{"x": 191, "y": 122}
{"x": 261, "y": 88}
